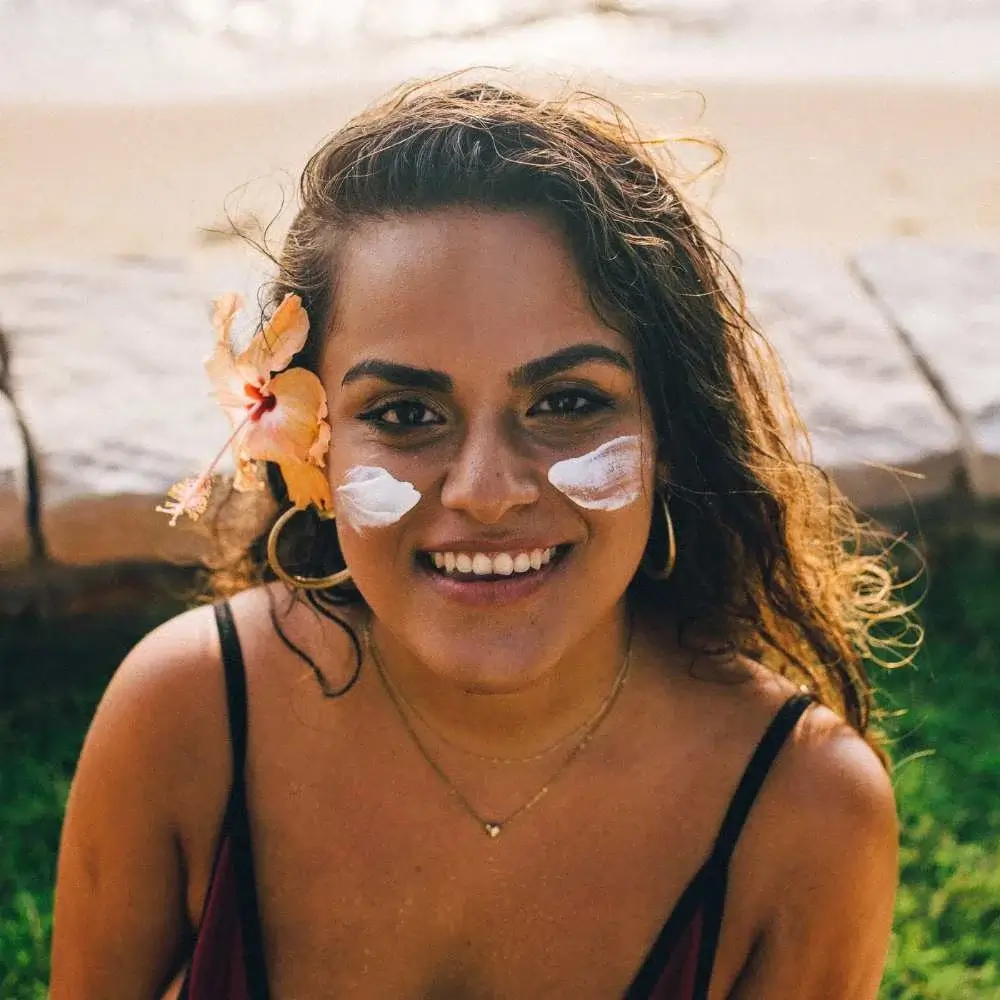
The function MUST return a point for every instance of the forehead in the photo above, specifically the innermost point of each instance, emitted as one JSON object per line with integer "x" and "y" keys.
{"x": 459, "y": 287}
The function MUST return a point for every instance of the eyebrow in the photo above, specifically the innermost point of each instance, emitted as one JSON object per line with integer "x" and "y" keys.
{"x": 397, "y": 374}
{"x": 521, "y": 377}
{"x": 569, "y": 357}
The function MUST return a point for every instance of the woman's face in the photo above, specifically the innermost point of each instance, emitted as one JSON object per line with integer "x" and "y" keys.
{"x": 464, "y": 358}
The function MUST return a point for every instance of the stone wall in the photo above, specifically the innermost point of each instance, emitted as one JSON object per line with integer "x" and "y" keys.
{"x": 893, "y": 358}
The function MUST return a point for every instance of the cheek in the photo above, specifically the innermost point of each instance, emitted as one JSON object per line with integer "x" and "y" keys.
{"x": 353, "y": 446}
{"x": 370, "y": 503}
{"x": 626, "y": 530}
{"x": 624, "y": 534}
{"x": 379, "y": 563}
{"x": 609, "y": 560}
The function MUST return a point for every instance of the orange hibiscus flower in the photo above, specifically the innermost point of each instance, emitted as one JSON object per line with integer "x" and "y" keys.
{"x": 277, "y": 415}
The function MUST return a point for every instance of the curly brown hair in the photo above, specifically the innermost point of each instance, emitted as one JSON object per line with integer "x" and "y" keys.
{"x": 771, "y": 560}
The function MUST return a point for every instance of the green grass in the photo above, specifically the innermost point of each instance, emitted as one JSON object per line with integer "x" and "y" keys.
{"x": 947, "y": 940}
{"x": 51, "y": 679}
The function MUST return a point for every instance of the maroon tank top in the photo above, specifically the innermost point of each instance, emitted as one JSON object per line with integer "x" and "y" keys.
{"x": 227, "y": 961}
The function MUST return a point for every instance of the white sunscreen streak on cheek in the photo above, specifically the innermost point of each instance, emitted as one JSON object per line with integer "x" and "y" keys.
{"x": 607, "y": 478}
{"x": 370, "y": 497}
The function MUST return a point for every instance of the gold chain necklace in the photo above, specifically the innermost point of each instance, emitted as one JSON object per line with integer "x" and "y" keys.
{"x": 486, "y": 758}
{"x": 494, "y": 827}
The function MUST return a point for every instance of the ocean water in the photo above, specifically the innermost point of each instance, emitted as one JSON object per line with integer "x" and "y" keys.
{"x": 134, "y": 50}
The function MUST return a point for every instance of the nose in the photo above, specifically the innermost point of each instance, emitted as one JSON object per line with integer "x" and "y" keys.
{"x": 490, "y": 476}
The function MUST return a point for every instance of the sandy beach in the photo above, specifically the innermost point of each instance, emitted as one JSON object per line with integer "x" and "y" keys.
{"x": 828, "y": 164}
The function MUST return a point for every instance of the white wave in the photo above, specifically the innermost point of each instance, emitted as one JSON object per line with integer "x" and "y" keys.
{"x": 144, "y": 49}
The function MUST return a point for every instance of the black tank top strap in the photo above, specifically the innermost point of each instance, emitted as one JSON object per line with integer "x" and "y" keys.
{"x": 755, "y": 774}
{"x": 236, "y": 825}
{"x": 236, "y": 689}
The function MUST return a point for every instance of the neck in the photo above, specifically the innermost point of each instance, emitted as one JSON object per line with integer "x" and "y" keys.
{"x": 559, "y": 701}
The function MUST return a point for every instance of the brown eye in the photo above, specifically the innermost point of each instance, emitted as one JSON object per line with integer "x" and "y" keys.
{"x": 570, "y": 403}
{"x": 402, "y": 415}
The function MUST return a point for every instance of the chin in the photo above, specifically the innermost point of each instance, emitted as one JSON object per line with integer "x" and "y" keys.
{"x": 498, "y": 635}
{"x": 479, "y": 663}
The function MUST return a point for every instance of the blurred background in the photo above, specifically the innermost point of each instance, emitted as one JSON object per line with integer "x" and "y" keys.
{"x": 862, "y": 183}
{"x": 126, "y": 124}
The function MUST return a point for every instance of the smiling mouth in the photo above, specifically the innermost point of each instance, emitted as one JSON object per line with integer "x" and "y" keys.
{"x": 482, "y": 567}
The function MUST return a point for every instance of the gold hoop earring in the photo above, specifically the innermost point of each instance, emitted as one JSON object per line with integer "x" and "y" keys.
{"x": 293, "y": 579}
{"x": 668, "y": 568}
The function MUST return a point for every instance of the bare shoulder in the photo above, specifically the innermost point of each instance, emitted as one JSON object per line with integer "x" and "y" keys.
{"x": 825, "y": 774}
{"x": 833, "y": 791}
{"x": 281, "y": 633}
{"x": 174, "y": 666}
{"x": 153, "y": 768}
{"x": 165, "y": 705}
{"x": 185, "y": 642}
{"x": 822, "y": 850}
{"x": 827, "y": 792}
{"x": 841, "y": 823}
{"x": 173, "y": 679}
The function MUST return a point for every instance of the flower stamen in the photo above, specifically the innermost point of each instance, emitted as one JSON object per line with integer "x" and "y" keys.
{"x": 267, "y": 404}
{"x": 190, "y": 496}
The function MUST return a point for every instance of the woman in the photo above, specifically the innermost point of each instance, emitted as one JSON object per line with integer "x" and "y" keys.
{"x": 560, "y": 691}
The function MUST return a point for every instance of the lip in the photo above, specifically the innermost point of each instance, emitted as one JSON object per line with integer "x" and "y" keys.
{"x": 496, "y": 590}
{"x": 487, "y": 547}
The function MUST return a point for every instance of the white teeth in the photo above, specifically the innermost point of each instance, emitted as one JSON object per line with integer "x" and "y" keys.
{"x": 482, "y": 565}
{"x": 501, "y": 564}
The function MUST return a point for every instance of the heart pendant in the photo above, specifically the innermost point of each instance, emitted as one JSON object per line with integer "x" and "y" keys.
{"x": 493, "y": 829}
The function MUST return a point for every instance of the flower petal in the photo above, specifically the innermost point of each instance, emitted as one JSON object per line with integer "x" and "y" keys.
{"x": 249, "y": 476}
{"x": 294, "y": 427}
{"x": 229, "y": 382}
{"x": 280, "y": 340}
{"x": 224, "y": 308}
{"x": 321, "y": 446}
{"x": 306, "y": 484}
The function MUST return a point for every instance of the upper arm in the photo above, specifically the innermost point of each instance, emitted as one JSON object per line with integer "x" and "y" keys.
{"x": 826, "y": 926}
{"x": 120, "y": 916}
